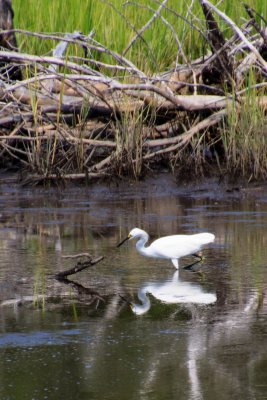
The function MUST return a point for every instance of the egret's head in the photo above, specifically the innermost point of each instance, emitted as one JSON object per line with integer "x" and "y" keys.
{"x": 135, "y": 233}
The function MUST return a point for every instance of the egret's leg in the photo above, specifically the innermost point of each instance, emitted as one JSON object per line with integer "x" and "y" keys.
{"x": 199, "y": 256}
{"x": 189, "y": 267}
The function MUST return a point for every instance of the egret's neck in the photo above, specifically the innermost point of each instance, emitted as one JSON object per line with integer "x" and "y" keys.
{"x": 140, "y": 244}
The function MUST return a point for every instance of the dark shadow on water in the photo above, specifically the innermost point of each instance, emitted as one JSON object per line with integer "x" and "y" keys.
{"x": 92, "y": 295}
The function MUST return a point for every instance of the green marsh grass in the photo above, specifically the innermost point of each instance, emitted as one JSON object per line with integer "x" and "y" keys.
{"x": 116, "y": 22}
{"x": 129, "y": 141}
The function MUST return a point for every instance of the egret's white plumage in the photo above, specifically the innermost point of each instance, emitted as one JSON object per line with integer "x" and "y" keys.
{"x": 170, "y": 247}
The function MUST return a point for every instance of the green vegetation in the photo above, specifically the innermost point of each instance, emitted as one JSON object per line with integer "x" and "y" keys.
{"x": 115, "y": 23}
{"x": 154, "y": 43}
{"x": 244, "y": 137}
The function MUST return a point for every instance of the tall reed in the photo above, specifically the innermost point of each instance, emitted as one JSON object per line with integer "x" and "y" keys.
{"x": 245, "y": 137}
{"x": 129, "y": 141}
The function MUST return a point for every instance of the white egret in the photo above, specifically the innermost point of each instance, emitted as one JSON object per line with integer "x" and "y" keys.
{"x": 170, "y": 247}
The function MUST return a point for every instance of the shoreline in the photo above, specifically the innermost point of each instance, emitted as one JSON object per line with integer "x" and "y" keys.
{"x": 157, "y": 183}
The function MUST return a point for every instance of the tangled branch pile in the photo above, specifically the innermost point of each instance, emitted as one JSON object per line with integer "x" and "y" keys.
{"x": 78, "y": 117}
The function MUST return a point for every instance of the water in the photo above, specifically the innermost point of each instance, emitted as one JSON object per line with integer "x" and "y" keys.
{"x": 198, "y": 336}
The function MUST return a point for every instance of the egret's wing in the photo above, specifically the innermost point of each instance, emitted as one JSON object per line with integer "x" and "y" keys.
{"x": 177, "y": 246}
{"x": 171, "y": 246}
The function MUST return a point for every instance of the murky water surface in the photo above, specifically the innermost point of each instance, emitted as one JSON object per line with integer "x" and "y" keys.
{"x": 199, "y": 335}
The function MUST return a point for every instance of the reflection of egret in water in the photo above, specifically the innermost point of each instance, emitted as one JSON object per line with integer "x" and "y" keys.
{"x": 172, "y": 291}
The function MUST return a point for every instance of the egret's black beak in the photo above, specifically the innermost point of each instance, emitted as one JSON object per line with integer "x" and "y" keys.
{"x": 123, "y": 241}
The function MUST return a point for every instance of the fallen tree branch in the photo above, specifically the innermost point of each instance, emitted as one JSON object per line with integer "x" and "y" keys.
{"x": 179, "y": 141}
{"x": 73, "y": 118}
{"x": 238, "y": 32}
{"x": 80, "y": 266}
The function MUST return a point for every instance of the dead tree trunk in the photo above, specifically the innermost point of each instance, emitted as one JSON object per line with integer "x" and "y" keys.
{"x": 221, "y": 71}
{"x": 8, "y": 41}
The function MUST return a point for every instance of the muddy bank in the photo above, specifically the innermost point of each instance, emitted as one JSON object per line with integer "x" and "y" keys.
{"x": 154, "y": 183}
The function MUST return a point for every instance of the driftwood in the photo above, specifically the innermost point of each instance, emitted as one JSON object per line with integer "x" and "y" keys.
{"x": 72, "y": 120}
{"x": 85, "y": 261}
{"x": 80, "y": 266}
